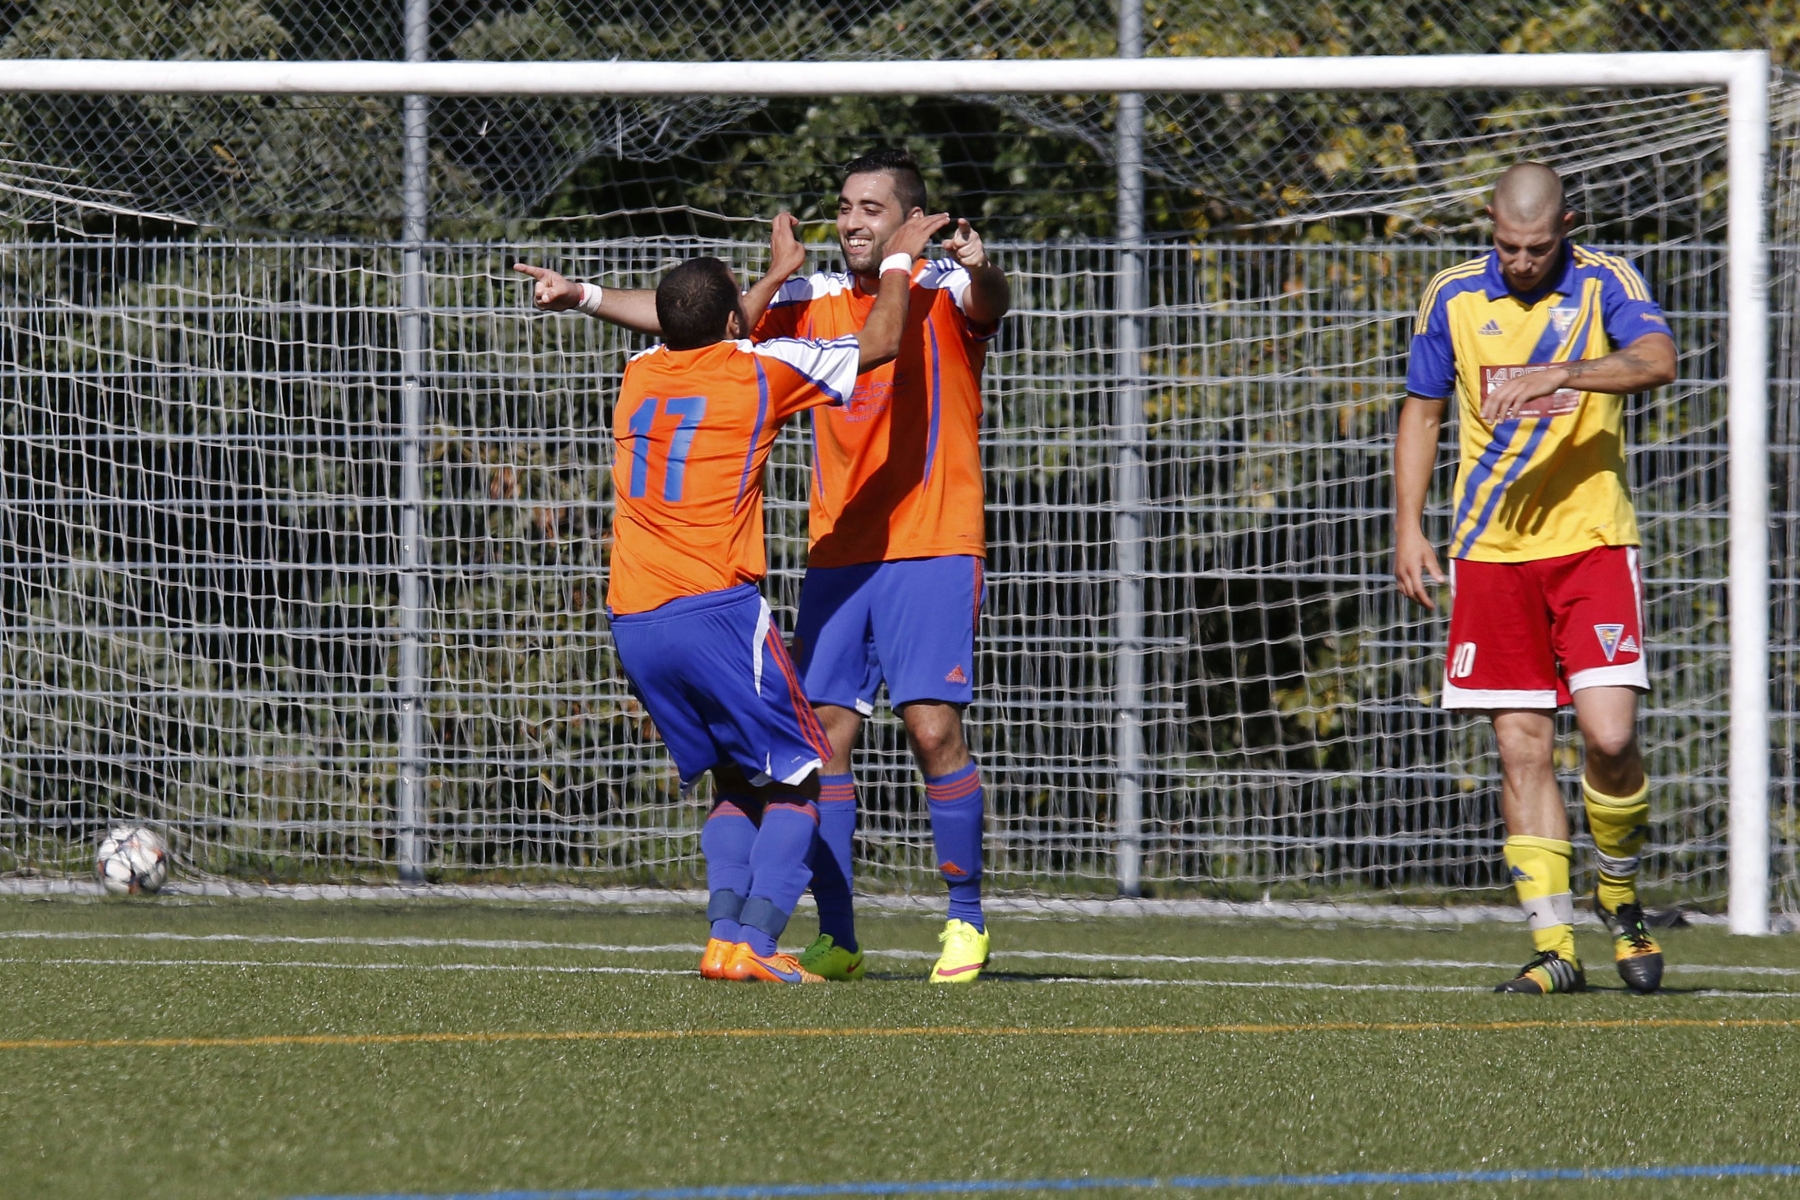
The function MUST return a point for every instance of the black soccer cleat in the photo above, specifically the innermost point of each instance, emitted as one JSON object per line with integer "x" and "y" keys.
{"x": 1635, "y": 952}
{"x": 1548, "y": 972}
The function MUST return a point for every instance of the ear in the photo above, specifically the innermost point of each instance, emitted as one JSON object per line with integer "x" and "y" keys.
{"x": 1568, "y": 220}
{"x": 734, "y": 325}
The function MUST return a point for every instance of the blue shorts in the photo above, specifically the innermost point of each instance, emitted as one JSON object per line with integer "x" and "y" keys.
{"x": 909, "y": 623}
{"x": 716, "y": 679}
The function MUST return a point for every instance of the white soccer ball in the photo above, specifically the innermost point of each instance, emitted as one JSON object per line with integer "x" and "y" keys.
{"x": 132, "y": 859}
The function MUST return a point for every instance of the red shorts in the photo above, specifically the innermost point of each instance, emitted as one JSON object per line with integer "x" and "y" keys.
{"x": 1527, "y": 635}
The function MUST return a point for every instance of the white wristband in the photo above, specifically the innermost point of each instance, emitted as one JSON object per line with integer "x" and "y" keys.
{"x": 591, "y": 294}
{"x": 896, "y": 262}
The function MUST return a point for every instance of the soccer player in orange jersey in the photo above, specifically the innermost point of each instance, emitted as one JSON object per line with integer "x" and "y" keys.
{"x": 693, "y": 427}
{"x": 894, "y": 581}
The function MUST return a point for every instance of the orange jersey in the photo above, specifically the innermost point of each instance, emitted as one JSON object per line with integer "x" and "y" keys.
{"x": 691, "y": 434}
{"x": 897, "y": 470}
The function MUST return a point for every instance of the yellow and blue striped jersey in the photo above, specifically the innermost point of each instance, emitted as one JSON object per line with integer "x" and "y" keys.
{"x": 1550, "y": 481}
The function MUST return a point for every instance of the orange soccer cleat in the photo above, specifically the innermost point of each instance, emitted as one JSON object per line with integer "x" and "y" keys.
{"x": 769, "y": 968}
{"x": 715, "y": 960}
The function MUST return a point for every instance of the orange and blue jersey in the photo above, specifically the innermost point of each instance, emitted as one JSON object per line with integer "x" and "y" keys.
{"x": 897, "y": 469}
{"x": 692, "y": 432}
{"x": 1550, "y": 481}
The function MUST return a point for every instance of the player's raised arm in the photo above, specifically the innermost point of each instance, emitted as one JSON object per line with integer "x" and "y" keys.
{"x": 634, "y": 308}
{"x": 990, "y": 295}
{"x": 879, "y": 338}
{"x": 1415, "y": 456}
{"x": 787, "y": 254}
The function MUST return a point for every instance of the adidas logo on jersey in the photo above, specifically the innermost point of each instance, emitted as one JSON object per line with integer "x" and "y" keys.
{"x": 1628, "y": 646}
{"x": 956, "y": 675}
{"x": 1492, "y": 329}
{"x": 1609, "y": 636}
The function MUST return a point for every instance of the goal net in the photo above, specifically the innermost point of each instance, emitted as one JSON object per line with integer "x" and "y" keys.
{"x": 203, "y": 480}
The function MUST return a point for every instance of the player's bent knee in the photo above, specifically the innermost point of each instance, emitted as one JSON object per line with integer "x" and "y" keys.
{"x": 1617, "y": 746}
{"x": 935, "y": 730}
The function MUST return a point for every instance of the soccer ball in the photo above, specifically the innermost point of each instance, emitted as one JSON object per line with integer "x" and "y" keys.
{"x": 132, "y": 859}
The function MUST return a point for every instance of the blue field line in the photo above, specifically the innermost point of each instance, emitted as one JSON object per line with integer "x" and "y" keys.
{"x": 1087, "y": 1183}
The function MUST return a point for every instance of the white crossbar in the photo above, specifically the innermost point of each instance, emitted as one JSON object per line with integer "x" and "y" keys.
{"x": 937, "y": 77}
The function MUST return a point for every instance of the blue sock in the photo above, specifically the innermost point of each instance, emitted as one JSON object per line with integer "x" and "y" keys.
{"x": 955, "y": 802}
{"x": 725, "y": 842}
{"x": 831, "y": 859}
{"x": 778, "y": 870}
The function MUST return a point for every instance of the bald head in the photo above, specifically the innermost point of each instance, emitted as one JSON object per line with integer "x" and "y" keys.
{"x": 1531, "y": 218}
{"x": 1529, "y": 194}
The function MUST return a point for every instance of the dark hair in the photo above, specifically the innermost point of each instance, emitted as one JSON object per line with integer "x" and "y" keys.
{"x": 909, "y": 181}
{"x": 692, "y": 302}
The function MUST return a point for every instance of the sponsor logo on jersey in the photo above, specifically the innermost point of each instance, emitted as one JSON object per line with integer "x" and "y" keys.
{"x": 1562, "y": 400}
{"x": 1609, "y": 636}
{"x": 1629, "y": 645}
{"x": 1520, "y": 876}
{"x": 1492, "y": 329}
{"x": 956, "y": 675}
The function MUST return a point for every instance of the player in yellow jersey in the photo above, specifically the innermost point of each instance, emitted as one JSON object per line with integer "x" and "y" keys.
{"x": 1540, "y": 340}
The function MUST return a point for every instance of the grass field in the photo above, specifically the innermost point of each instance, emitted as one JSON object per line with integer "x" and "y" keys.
{"x": 277, "y": 1049}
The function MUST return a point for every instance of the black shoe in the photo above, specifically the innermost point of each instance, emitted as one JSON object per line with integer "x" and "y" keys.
{"x": 1548, "y": 972}
{"x": 1635, "y": 952}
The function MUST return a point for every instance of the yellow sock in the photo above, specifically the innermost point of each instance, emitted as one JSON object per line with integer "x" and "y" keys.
{"x": 1621, "y": 826}
{"x": 1540, "y": 874}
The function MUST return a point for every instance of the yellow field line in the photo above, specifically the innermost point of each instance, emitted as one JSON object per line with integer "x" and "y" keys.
{"x": 905, "y": 1031}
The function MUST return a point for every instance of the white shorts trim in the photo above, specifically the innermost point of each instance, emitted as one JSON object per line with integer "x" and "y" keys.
{"x": 1631, "y": 675}
{"x": 1482, "y": 698}
{"x": 801, "y": 772}
{"x": 756, "y": 644}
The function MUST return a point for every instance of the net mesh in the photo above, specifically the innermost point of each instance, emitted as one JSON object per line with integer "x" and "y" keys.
{"x": 201, "y": 469}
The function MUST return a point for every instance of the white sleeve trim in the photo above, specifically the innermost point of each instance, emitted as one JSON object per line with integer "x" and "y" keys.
{"x": 830, "y": 365}
{"x": 813, "y": 287}
{"x": 950, "y": 276}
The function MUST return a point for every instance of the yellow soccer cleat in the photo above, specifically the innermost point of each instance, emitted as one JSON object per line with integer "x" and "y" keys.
{"x": 965, "y": 953}
{"x": 830, "y": 961}
{"x": 1635, "y": 952}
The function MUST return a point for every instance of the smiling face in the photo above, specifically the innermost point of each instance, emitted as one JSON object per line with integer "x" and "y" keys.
{"x": 1528, "y": 249}
{"x": 869, "y": 211}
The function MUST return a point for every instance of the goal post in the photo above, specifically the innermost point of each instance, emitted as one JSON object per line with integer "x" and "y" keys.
{"x": 1745, "y": 76}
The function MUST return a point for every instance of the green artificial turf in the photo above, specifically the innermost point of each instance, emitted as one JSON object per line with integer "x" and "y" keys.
{"x": 438, "y": 1117}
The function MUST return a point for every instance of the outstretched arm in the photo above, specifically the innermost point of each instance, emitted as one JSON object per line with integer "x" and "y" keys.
{"x": 634, "y": 308}
{"x": 1646, "y": 363}
{"x": 990, "y": 295}
{"x": 879, "y": 339}
{"x": 786, "y": 256}
{"x": 1415, "y": 455}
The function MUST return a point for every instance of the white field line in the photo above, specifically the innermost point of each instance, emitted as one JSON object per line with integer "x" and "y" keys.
{"x": 1065, "y": 980}
{"x": 1020, "y": 906}
{"x": 338, "y": 966}
{"x": 1244, "y": 960}
{"x": 274, "y": 939}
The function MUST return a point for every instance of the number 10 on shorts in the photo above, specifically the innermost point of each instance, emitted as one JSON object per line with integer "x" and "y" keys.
{"x": 1462, "y": 660}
